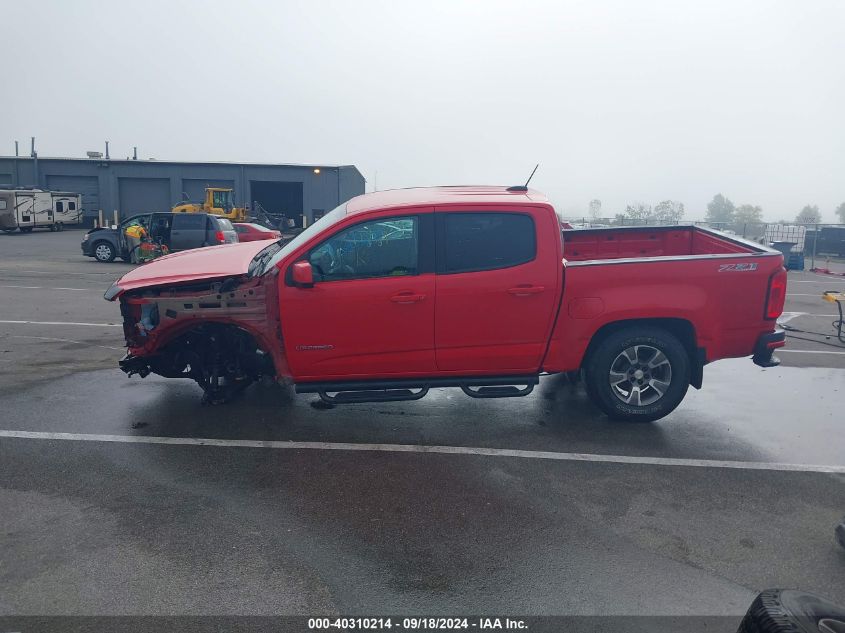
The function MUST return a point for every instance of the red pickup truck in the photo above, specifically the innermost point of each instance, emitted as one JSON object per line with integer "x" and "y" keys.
{"x": 396, "y": 292}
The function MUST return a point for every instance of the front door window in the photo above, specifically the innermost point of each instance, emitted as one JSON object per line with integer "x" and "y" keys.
{"x": 378, "y": 248}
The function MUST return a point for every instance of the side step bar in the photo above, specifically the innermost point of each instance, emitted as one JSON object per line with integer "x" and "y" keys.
{"x": 375, "y": 395}
{"x": 416, "y": 388}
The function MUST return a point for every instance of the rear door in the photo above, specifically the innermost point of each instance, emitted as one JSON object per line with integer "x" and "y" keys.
{"x": 370, "y": 312}
{"x": 496, "y": 289}
{"x": 188, "y": 231}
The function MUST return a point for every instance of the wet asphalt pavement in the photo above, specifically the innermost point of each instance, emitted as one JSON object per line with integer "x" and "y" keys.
{"x": 89, "y": 527}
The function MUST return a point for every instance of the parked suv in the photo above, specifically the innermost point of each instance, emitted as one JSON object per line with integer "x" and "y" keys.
{"x": 179, "y": 231}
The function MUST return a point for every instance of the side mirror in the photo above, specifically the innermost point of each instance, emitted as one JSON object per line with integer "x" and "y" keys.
{"x": 303, "y": 275}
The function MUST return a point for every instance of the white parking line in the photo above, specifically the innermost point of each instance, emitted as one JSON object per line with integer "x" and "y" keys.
{"x": 63, "y": 272}
{"x": 415, "y": 448}
{"x": 806, "y": 351}
{"x": 68, "y": 340}
{"x": 826, "y": 280}
{"x": 63, "y": 323}
{"x": 788, "y": 316}
{"x": 46, "y": 288}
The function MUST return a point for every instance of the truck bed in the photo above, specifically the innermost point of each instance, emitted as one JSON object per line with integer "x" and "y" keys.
{"x": 709, "y": 284}
{"x": 638, "y": 242}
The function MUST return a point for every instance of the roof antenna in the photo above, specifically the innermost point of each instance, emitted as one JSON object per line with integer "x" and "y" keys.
{"x": 517, "y": 188}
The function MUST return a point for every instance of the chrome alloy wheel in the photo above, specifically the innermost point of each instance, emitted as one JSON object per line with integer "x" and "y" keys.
{"x": 640, "y": 375}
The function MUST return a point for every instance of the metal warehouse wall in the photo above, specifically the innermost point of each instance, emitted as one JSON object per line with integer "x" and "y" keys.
{"x": 130, "y": 186}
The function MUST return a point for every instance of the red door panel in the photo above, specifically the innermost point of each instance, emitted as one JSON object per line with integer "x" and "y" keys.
{"x": 495, "y": 321}
{"x": 361, "y": 328}
{"x": 370, "y": 312}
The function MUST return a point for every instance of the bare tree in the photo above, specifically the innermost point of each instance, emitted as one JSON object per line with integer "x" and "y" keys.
{"x": 638, "y": 211}
{"x": 748, "y": 214}
{"x": 720, "y": 209}
{"x": 669, "y": 212}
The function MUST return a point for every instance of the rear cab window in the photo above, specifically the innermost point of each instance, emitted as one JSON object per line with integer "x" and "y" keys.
{"x": 474, "y": 242}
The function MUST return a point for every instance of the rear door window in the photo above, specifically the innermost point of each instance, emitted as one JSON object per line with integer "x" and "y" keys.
{"x": 471, "y": 242}
{"x": 224, "y": 224}
{"x": 189, "y": 222}
{"x": 60, "y": 207}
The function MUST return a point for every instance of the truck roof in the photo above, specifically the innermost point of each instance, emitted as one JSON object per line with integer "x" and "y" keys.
{"x": 461, "y": 194}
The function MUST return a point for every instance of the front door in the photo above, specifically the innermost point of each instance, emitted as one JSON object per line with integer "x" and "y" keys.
{"x": 496, "y": 291}
{"x": 370, "y": 312}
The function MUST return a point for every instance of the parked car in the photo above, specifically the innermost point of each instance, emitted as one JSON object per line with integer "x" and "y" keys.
{"x": 250, "y": 232}
{"x": 178, "y": 231}
{"x": 396, "y": 292}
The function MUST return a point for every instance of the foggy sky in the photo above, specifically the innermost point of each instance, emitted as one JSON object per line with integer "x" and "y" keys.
{"x": 621, "y": 101}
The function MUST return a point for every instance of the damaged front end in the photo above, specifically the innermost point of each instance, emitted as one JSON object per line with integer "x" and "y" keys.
{"x": 223, "y": 334}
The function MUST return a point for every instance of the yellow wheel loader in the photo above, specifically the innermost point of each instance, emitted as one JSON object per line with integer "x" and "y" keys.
{"x": 218, "y": 201}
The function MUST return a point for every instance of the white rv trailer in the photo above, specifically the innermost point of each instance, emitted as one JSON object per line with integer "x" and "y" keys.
{"x": 26, "y": 209}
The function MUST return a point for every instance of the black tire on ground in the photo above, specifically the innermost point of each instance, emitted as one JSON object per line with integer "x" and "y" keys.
{"x": 60, "y": 226}
{"x": 788, "y": 611}
{"x": 54, "y": 227}
{"x": 26, "y": 229}
{"x": 638, "y": 374}
{"x": 103, "y": 251}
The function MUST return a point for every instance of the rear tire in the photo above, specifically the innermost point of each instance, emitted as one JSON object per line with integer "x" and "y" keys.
{"x": 638, "y": 374}
{"x": 788, "y": 611}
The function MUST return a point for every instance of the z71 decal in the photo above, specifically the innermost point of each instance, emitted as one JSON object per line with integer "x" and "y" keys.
{"x": 736, "y": 268}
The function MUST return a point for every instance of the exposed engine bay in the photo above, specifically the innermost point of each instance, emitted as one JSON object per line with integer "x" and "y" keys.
{"x": 216, "y": 333}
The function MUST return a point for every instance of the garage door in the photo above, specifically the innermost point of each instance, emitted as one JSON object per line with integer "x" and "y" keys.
{"x": 195, "y": 187}
{"x": 143, "y": 195}
{"x": 88, "y": 186}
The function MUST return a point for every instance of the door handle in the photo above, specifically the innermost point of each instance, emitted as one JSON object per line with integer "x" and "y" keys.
{"x": 407, "y": 298}
{"x": 524, "y": 291}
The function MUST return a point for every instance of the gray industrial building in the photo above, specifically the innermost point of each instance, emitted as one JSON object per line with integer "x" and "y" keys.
{"x": 301, "y": 192}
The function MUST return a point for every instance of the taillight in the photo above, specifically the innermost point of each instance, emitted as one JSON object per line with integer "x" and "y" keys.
{"x": 777, "y": 295}
{"x": 221, "y": 239}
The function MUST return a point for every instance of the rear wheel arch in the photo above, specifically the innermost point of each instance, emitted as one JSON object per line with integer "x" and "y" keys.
{"x": 682, "y": 329}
